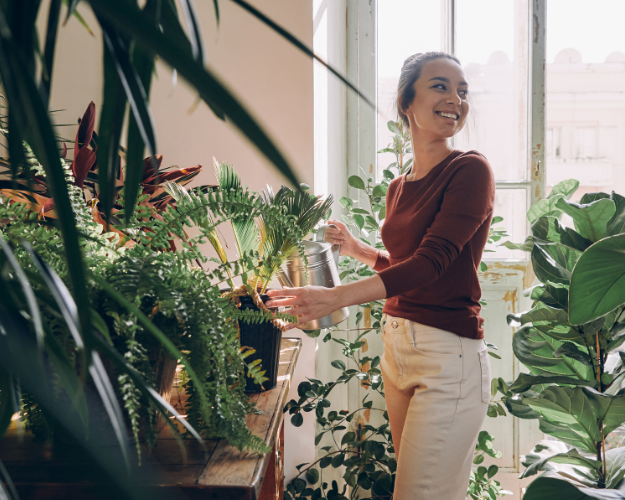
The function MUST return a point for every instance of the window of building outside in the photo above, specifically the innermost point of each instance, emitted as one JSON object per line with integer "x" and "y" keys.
{"x": 492, "y": 45}
{"x": 585, "y": 95}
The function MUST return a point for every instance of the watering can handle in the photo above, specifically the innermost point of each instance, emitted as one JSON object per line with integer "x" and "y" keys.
{"x": 320, "y": 236}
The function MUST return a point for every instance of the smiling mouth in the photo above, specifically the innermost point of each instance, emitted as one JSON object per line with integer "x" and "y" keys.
{"x": 453, "y": 116}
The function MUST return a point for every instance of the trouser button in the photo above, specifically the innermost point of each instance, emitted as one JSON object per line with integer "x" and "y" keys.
{"x": 394, "y": 324}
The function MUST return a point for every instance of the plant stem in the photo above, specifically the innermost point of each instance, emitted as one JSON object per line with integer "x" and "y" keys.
{"x": 599, "y": 369}
{"x": 598, "y": 361}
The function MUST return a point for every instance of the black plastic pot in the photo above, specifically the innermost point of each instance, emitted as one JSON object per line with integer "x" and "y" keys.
{"x": 265, "y": 339}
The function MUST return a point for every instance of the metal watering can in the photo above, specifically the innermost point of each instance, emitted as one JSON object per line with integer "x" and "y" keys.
{"x": 323, "y": 261}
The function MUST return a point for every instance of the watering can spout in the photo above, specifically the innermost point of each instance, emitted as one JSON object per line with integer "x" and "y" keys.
{"x": 319, "y": 268}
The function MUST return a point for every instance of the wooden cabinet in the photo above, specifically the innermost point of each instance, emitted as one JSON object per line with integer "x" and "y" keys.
{"x": 221, "y": 474}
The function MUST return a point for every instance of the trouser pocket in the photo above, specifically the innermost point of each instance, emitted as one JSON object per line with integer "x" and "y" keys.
{"x": 485, "y": 369}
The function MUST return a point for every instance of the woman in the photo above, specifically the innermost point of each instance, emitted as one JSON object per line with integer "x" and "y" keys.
{"x": 435, "y": 365}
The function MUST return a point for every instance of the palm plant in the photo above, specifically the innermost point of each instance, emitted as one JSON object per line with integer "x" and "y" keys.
{"x": 270, "y": 235}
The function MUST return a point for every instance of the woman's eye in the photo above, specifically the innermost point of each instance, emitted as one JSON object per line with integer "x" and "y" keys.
{"x": 464, "y": 93}
{"x": 439, "y": 86}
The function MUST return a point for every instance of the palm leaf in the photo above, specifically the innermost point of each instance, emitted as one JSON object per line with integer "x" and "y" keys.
{"x": 52, "y": 29}
{"x": 144, "y": 67}
{"x": 33, "y": 122}
{"x": 181, "y": 195}
{"x": 246, "y": 232}
{"x": 132, "y": 23}
{"x": 302, "y": 47}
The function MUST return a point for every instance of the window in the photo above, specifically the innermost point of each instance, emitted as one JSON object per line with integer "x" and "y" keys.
{"x": 492, "y": 40}
{"x": 404, "y": 28}
{"x": 585, "y": 143}
{"x": 585, "y": 68}
{"x": 552, "y": 139}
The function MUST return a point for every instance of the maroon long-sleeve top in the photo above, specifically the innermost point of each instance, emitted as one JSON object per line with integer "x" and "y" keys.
{"x": 435, "y": 231}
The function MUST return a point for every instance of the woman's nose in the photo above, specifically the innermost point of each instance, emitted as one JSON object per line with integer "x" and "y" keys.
{"x": 454, "y": 99}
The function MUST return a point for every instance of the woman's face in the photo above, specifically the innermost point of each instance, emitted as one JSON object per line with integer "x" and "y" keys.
{"x": 440, "y": 106}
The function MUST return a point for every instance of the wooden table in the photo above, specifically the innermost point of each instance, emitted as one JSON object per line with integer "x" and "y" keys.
{"x": 223, "y": 473}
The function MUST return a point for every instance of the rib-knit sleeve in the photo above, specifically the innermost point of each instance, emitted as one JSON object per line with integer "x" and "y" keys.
{"x": 467, "y": 203}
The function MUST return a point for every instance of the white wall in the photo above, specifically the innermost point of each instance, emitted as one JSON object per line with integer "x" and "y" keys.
{"x": 271, "y": 77}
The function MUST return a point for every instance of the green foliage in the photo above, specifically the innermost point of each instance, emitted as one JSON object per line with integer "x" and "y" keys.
{"x": 267, "y": 229}
{"x": 181, "y": 301}
{"x": 362, "y": 450}
{"x": 569, "y": 342}
{"x": 482, "y": 486}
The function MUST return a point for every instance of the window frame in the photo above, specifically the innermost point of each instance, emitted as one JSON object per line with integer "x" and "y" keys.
{"x": 362, "y": 68}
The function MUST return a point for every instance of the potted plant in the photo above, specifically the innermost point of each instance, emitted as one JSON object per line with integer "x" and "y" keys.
{"x": 570, "y": 344}
{"x": 145, "y": 298}
{"x": 268, "y": 229}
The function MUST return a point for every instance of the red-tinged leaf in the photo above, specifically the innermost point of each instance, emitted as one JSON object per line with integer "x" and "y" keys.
{"x": 148, "y": 167}
{"x": 48, "y": 205}
{"x": 83, "y": 163}
{"x": 34, "y": 201}
{"x": 64, "y": 152}
{"x": 175, "y": 174}
{"x": 149, "y": 188}
{"x": 85, "y": 130}
{"x": 97, "y": 217}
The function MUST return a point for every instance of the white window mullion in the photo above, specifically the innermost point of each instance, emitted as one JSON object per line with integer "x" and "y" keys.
{"x": 537, "y": 177}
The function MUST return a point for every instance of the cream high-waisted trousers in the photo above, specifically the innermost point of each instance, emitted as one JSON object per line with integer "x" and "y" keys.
{"x": 437, "y": 387}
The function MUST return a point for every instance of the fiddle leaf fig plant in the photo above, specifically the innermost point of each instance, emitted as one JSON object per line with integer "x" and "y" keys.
{"x": 570, "y": 342}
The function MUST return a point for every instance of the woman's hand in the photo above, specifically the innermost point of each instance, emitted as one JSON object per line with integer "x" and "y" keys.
{"x": 340, "y": 235}
{"x": 350, "y": 245}
{"x": 307, "y": 303}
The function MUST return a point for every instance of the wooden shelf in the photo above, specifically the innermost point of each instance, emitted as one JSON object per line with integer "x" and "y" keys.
{"x": 222, "y": 473}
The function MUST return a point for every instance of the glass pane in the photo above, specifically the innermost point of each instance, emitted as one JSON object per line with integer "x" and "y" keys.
{"x": 585, "y": 101}
{"x": 405, "y": 27}
{"x": 511, "y": 204}
{"x": 492, "y": 45}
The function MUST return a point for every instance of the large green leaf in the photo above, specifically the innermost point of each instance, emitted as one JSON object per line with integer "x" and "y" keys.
{"x": 591, "y": 219}
{"x": 609, "y": 409}
{"x": 573, "y": 411}
{"x": 132, "y": 23}
{"x": 546, "y": 267}
{"x": 541, "y": 312}
{"x": 617, "y": 224}
{"x": 571, "y": 457}
{"x": 526, "y": 381}
{"x": 517, "y": 407}
{"x": 535, "y": 349}
{"x": 615, "y": 462}
{"x": 550, "y": 229}
{"x": 566, "y": 188}
{"x": 598, "y": 280}
{"x": 545, "y": 208}
{"x": 553, "y": 295}
{"x": 551, "y": 488}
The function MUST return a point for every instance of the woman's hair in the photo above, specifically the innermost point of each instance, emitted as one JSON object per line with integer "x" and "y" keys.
{"x": 410, "y": 73}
